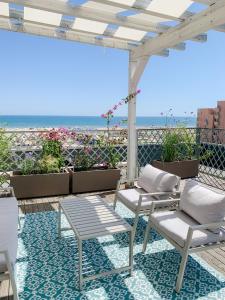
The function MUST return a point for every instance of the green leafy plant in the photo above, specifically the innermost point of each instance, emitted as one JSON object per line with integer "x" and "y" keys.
{"x": 48, "y": 164}
{"x": 28, "y": 165}
{"x": 53, "y": 148}
{"x": 113, "y": 157}
{"x": 178, "y": 144}
{"x": 5, "y": 156}
{"x": 83, "y": 160}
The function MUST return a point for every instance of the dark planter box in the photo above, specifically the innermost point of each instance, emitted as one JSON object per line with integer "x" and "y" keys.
{"x": 93, "y": 180}
{"x": 183, "y": 168}
{"x": 40, "y": 185}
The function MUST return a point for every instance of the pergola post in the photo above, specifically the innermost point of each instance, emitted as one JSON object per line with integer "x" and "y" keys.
{"x": 136, "y": 68}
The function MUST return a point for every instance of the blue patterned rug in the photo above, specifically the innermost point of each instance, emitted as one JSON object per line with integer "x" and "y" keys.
{"x": 47, "y": 266}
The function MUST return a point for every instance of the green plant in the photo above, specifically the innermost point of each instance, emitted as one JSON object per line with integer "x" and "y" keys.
{"x": 83, "y": 160}
{"x": 53, "y": 148}
{"x": 5, "y": 156}
{"x": 179, "y": 144}
{"x": 28, "y": 166}
{"x": 48, "y": 164}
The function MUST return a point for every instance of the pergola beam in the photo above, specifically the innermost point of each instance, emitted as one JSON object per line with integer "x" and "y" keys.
{"x": 37, "y": 28}
{"x": 63, "y": 8}
{"x": 48, "y": 31}
{"x": 210, "y": 18}
{"x": 92, "y": 14}
{"x": 206, "y": 2}
{"x": 139, "y": 9}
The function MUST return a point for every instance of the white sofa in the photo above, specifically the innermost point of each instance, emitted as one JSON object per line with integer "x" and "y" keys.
{"x": 8, "y": 239}
{"x": 153, "y": 184}
{"x": 197, "y": 224}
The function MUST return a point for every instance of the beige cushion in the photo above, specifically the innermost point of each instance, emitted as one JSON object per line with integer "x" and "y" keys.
{"x": 8, "y": 229}
{"x": 175, "y": 224}
{"x": 130, "y": 199}
{"x": 155, "y": 180}
{"x": 202, "y": 204}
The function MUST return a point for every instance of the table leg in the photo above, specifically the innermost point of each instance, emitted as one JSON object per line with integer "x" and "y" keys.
{"x": 59, "y": 220}
{"x": 80, "y": 263}
{"x": 131, "y": 252}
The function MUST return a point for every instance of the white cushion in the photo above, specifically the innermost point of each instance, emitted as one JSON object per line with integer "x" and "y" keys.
{"x": 202, "y": 204}
{"x": 130, "y": 199}
{"x": 8, "y": 230}
{"x": 175, "y": 224}
{"x": 155, "y": 180}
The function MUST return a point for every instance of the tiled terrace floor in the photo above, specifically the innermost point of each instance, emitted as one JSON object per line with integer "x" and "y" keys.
{"x": 215, "y": 258}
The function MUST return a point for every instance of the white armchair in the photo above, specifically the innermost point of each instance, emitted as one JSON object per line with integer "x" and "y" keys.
{"x": 152, "y": 185}
{"x": 197, "y": 225}
{"x": 8, "y": 239}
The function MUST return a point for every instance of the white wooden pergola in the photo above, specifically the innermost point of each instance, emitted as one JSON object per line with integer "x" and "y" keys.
{"x": 142, "y": 27}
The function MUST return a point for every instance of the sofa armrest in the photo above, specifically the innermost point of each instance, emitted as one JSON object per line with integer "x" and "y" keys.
{"x": 163, "y": 202}
{"x": 215, "y": 225}
{"x": 191, "y": 230}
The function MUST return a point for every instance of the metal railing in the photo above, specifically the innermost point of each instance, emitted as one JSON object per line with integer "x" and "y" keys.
{"x": 149, "y": 148}
{"x": 211, "y": 169}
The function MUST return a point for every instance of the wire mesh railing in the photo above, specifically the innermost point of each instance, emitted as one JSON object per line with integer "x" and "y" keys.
{"x": 14, "y": 145}
{"x": 203, "y": 140}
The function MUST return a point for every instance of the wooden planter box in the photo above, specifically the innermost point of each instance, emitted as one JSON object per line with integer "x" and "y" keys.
{"x": 93, "y": 180}
{"x": 40, "y": 185}
{"x": 183, "y": 169}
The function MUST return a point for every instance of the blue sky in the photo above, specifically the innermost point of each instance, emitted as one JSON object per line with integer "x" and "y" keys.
{"x": 44, "y": 76}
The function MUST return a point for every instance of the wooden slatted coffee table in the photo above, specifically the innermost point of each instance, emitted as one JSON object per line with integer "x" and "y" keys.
{"x": 91, "y": 217}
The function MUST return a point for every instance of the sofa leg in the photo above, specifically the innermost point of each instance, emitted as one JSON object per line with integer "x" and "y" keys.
{"x": 12, "y": 277}
{"x": 115, "y": 201}
{"x": 135, "y": 224}
{"x": 181, "y": 272}
{"x": 147, "y": 234}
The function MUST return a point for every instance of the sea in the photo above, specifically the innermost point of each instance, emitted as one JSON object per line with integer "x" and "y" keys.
{"x": 88, "y": 122}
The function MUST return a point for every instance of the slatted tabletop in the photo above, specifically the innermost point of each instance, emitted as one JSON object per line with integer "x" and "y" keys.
{"x": 92, "y": 217}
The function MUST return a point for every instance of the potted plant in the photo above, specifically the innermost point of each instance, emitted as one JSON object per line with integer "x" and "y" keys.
{"x": 87, "y": 175}
{"x": 44, "y": 176}
{"x": 90, "y": 173}
{"x": 179, "y": 153}
{"x": 5, "y": 161}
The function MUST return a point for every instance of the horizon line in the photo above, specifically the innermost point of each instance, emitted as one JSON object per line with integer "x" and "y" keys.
{"x": 85, "y": 116}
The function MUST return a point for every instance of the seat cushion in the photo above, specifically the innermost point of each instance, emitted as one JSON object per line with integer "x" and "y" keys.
{"x": 155, "y": 180}
{"x": 8, "y": 230}
{"x": 130, "y": 199}
{"x": 175, "y": 224}
{"x": 202, "y": 204}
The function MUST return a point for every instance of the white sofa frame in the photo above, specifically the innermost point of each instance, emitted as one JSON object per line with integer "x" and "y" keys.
{"x": 10, "y": 273}
{"x": 139, "y": 211}
{"x": 187, "y": 249}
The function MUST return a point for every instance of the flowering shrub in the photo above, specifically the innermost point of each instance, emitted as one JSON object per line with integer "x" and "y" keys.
{"x": 113, "y": 156}
{"x": 52, "y": 144}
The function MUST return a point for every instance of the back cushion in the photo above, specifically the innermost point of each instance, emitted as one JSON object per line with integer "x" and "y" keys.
{"x": 155, "y": 180}
{"x": 202, "y": 204}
